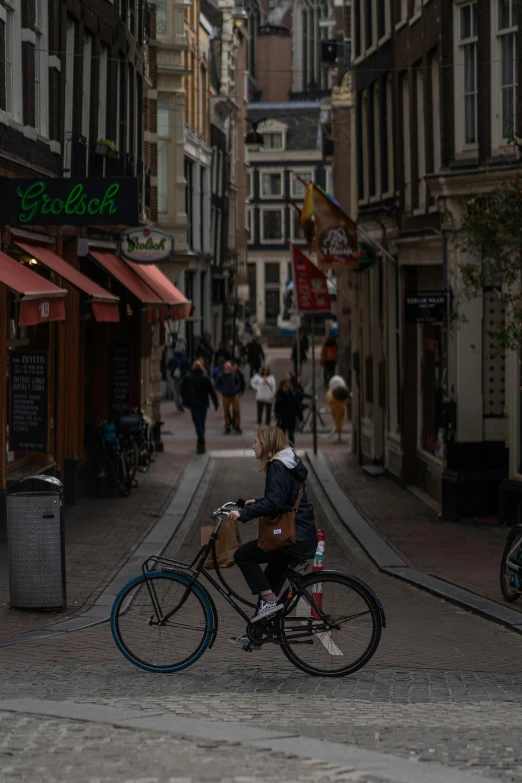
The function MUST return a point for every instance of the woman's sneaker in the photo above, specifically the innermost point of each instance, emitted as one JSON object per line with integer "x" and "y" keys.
{"x": 266, "y": 609}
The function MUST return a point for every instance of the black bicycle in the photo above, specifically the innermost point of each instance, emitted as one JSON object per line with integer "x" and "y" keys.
{"x": 114, "y": 470}
{"x": 511, "y": 566}
{"x": 165, "y": 619}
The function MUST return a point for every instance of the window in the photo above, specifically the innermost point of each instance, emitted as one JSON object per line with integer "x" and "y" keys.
{"x": 86, "y": 85}
{"x": 507, "y": 51}
{"x": 308, "y": 33}
{"x": 163, "y": 118}
{"x": 69, "y": 91}
{"x": 377, "y": 127}
{"x": 357, "y": 20}
{"x": 295, "y": 222}
{"x": 273, "y": 141}
{"x": 202, "y": 100}
{"x": 421, "y": 142}
{"x": 381, "y": 18}
{"x": 368, "y": 23}
{"x": 161, "y": 17}
{"x": 189, "y": 200}
{"x": 272, "y": 225}
{"x": 249, "y": 215}
{"x": 13, "y": 61}
{"x": 272, "y": 273}
{"x": 389, "y": 185}
{"x": 253, "y": 23}
{"x": 102, "y": 93}
{"x": 435, "y": 98}
{"x": 271, "y": 184}
{"x": 468, "y": 47}
{"x": 250, "y": 184}
{"x": 297, "y": 189}
{"x": 406, "y": 141}
{"x": 364, "y": 148}
{"x": 41, "y": 68}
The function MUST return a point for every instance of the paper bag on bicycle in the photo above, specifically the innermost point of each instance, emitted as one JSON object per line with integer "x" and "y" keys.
{"x": 280, "y": 531}
{"x": 228, "y": 541}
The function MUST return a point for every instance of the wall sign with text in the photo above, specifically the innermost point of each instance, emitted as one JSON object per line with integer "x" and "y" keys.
{"x": 146, "y": 245}
{"x": 425, "y": 308}
{"x": 28, "y": 380}
{"x": 70, "y": 202}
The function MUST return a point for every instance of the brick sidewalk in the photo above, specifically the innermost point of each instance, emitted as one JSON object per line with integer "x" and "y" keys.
{"x": 464, "y": 554}
{"x": 100, "y": 535}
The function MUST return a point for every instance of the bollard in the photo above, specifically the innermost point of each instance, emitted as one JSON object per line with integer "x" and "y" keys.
{"x": 317, "y": 593}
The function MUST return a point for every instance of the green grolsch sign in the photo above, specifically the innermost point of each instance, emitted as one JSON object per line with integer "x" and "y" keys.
{"x": 73, "y": 202}
{"x": 146, "y": 245}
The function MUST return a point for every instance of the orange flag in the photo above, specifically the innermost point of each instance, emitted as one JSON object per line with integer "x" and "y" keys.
{"x": 335, "y": 234}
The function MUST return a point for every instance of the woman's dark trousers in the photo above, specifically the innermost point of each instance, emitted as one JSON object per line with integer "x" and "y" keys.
{"x": 199, "y": 416}
{"x": 249, "y": 559}
{"x": 268, "y": 413}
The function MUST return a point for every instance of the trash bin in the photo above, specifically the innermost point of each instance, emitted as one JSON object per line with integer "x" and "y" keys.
{"x": 36, "y": 543}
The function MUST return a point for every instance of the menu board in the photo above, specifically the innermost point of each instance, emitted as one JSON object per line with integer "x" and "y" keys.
{"x": 120, "y": 379}
{"x": 28, "y": 430}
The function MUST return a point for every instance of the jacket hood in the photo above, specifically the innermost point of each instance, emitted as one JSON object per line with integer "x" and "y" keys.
{"x": 291, "y": 461}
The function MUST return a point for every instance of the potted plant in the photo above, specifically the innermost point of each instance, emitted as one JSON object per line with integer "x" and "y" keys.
{"x": 105, "y": 147}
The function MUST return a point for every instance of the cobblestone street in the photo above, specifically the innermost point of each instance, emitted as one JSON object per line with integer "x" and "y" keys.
{"x": 439, "y": 690}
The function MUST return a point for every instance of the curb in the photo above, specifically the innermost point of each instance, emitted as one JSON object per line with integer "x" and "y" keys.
{"x": 390, "y": 563}
{"x": 168, "y": 528}
{"x": 382, "y": 766}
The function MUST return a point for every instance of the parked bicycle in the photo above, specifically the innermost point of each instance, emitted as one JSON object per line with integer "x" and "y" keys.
{"x": 324, "y": 421}
{"x": 511, "y": 566}
{"x": 114, "y": 471}
{"x": 135, "y": 432}
{"x": 165, "y": 619}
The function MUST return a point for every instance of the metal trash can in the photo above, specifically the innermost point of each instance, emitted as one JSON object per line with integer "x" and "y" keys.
{"x": 36, "y": 543}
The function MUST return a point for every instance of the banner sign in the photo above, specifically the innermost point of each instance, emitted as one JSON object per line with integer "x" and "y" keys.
{"x": 146, "y": 245}
{"x": 425, "y": 308}
{"x": 69, "y": 202}
{"x": 335, "y": 234}
{"x": 28, "y": 379}
{"x": 310, "y": 285}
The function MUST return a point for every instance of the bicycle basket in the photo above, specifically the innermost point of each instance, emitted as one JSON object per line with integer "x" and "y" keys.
{"x": 133, "y": 422}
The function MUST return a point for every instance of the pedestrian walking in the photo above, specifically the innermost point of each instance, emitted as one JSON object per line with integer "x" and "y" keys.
{"x": 242, "y": 384}
{"x": 204, "y": 350}
{"x": 328, "y": 358}
{"x": 197, "y": 391}
{"x": 297, "y": 361}
{"x": 336, "y": 397}
{"x": 221, "y": 355}
{"x": 264, "y": 385}
{"x": 178, "y": 366}
{"x": 285, "y": 480}
{"x": 255, "y": 356}
{"x": 228, "y": 385}
{"x": 286, "y": 409}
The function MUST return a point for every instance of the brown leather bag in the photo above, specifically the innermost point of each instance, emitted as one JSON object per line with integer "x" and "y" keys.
{"x": 280, "y": 531}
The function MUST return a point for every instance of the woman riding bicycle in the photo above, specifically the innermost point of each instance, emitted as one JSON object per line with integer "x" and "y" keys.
{"x": 285, "y": 474}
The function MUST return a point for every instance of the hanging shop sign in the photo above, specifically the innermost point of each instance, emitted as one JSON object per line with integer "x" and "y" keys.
{"x": 311, "y": 286}
{"x": 425, "y": 308}
{"x": 120, "y": 378}
{"x": 69, "y": 202}
{"x": 28, "y": 377}
{"x": 146, "y": 245}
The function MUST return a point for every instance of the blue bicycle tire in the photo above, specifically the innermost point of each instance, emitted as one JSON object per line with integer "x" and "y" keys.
{"x": 207, "y": 635}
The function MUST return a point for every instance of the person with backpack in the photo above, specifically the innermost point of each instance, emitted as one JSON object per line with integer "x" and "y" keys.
{"x": 197, "y": 391}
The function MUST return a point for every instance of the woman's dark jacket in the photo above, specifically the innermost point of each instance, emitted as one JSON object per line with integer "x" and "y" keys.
{"x": 196, "y": 390}
{"x": 286, "y": 409}
{"x": 284, "y": 476}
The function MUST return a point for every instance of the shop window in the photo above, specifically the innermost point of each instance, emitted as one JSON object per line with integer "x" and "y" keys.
{"x": 431, "y": 428}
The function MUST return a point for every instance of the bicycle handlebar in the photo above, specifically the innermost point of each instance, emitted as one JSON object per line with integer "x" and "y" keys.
{"x": 223, "y": 509}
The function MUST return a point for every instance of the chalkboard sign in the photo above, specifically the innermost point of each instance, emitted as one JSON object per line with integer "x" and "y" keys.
{"x": 425, "y": 308}
{"x": 28, "y": 430}
{"x": 120, "y": 379}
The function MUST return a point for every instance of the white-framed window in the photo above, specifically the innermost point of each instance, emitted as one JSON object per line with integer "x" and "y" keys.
{"x": 163, "y": 127}
{"x": 466, "y": 92}
{"x": 421, "y": 141}
{"x": 297, "y": 189}
{"x": 273, "y": 141}
{"x": 504, "y": 72}
{"x": 41, "y": 67}
{"x": 250, "y": 184}
{"x": 271, "y": 183}
{"x": 86, "y": 85}
{"x": 249, "y": 225}
{"x": 13, "y": 60}
{"x": 272, "y": 225}
{"x": 296, "y": 232}
{"x": 161, "y": 17}
{"x": 102, "y": 92}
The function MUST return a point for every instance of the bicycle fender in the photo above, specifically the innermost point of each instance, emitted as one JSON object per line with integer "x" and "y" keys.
{"x": 360, "y": 582}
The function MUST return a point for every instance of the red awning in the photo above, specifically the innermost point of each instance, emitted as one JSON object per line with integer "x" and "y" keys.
{"x": 180, "y": 307}
{"x": 41, "y": 301}
{"x": 104, "y": 304}
{"x": 157, "y": 310}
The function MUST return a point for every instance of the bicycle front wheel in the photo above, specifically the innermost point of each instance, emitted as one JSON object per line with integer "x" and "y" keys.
{"x": 308, "y": 638}
{"x": 325, "y": 423}
{"x": 137, "y": 629}
{"x": 510, "y": 582}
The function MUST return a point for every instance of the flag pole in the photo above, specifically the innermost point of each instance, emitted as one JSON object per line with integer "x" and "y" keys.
{"x": 314, "y": 407}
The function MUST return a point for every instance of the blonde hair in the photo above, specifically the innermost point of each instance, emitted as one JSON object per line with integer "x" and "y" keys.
{"x": 273, "y": 440}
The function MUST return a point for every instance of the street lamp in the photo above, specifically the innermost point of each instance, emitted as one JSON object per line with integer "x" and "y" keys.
{"x": 253, "y": 139}
{"x": 239, "y": 14}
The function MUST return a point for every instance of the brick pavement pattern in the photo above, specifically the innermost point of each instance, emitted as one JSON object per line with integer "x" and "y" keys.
{"x": 100, "y": 536}
{"x": 465, "y": 554}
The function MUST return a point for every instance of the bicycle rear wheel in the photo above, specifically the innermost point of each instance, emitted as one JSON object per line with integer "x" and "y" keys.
{"x": 313, "y": 646}
{"x": 510, "y": 582}
{"x": 161, "y": 648}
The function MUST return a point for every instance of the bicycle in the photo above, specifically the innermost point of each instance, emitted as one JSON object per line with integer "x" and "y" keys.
{"x": 114, "y": 471}
{"x": 511, "y": 566}
{"x": 325, "y": 423}
{"x": 165, "y": 619}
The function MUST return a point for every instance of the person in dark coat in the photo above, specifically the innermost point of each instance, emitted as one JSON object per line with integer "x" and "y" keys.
{"x": 285, "y": 475}
{"x": 197, "y": 391}
{"x": 286, "y": 409}
{"x": 255, "y": 356}
{"x": 221, "y": 355}
{"x": 228, "y": 385}
{"x": 178, "y": 366}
